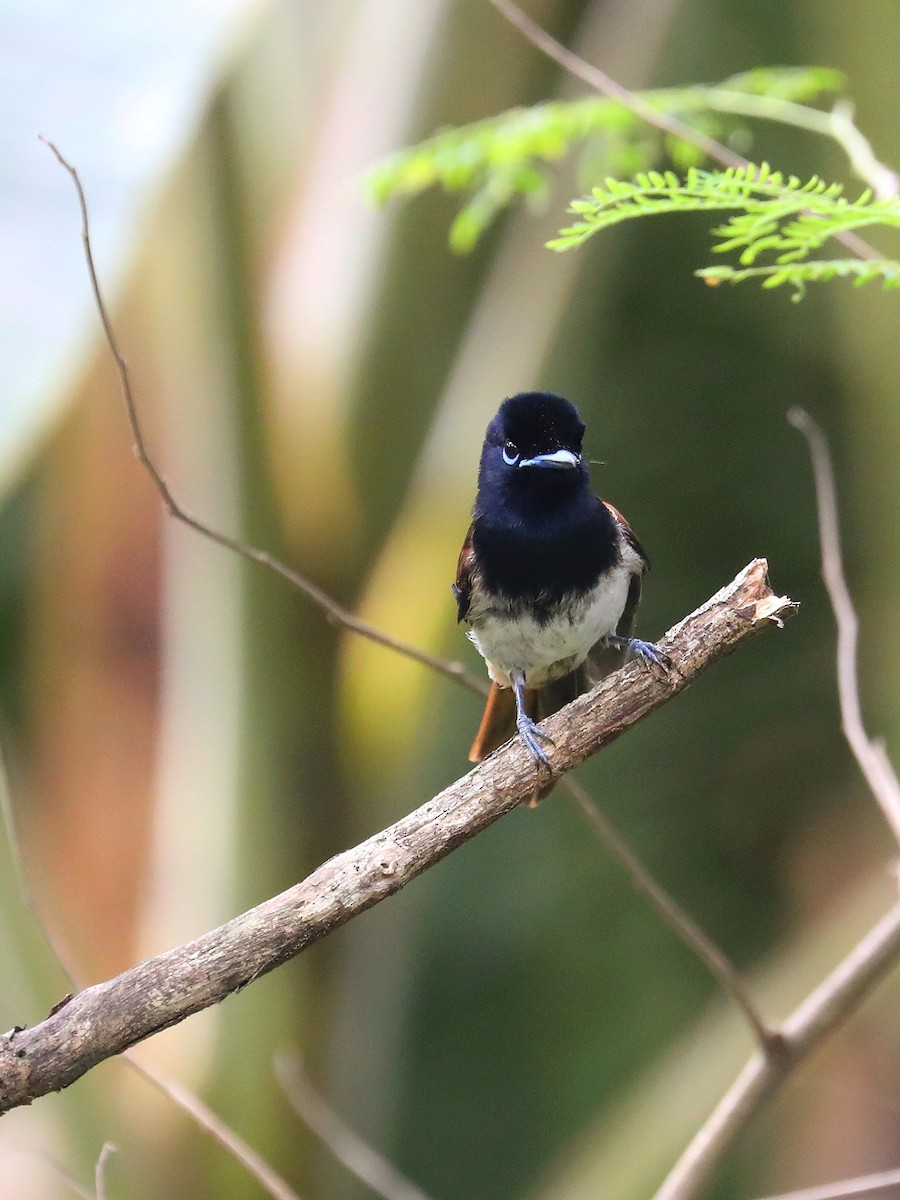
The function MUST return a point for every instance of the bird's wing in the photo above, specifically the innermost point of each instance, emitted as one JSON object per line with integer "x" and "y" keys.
{"x": 628, "y": 534}
{"x": 465, "y": 570}
{"x": 602, "y": 659}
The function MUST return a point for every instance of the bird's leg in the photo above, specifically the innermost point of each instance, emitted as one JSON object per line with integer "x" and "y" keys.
{"x": 529, "y": 731}
{"x": 647, "y": 652}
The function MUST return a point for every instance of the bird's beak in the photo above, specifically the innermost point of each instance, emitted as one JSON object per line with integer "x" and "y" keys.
{"x": 559, "y": 458}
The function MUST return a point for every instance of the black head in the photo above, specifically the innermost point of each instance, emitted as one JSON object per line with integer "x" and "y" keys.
{"x": 533, "y": 444}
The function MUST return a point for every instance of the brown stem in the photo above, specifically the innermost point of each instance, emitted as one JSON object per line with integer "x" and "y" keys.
{"x": 334, "y": 611}
{"x": 718, "y": 965}
{"x": 827, "y": 1007}
{"x": 873, "y": 761}
{"x": 362, "y": 1160}
{"x": 268, "y": 1179}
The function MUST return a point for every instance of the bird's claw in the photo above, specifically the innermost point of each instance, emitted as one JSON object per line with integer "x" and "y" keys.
{"x": 650, "y": 653}
{"x": 532, "y": 735}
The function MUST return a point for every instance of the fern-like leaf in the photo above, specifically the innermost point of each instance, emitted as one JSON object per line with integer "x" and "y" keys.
{"x": 776, "y": 214}
{"x": 798, "y": 275}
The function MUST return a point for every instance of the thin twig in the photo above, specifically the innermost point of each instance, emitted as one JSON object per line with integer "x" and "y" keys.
{"x": 176, "y": 1093}
{"x": 607, "y": 86}
{"x": 61, "y": 1171}
{"x": 54, "y": 944}
{"x": 847, "y": 1189}
{"x": 100, "y": 1170}
{"x": 268, "y": 1179}
{"x": 361, "y": 1159}
{"x": 824, "y": 1010}
{"x": 871, "y": 757}
{"x": 717, "y": 963}
{"x": 334, "y": 611}
{"x": 837, "y": 125}
{"x": 883, "y": 181}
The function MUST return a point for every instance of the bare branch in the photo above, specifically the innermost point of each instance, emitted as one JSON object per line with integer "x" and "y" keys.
{"x": 607, "y": 86}
{"x": 15, "y": 849}
{"x": 883, "y": 181}
{"x": 334, "y": 611}
{"x": 268, "y": 1179}
{"x": 847, "y": 1189}
{"x": 717, "y": 963}
{"x": 361, "y": 1159}
{"x": 873, "y": 761}
{"x": 110, "y": 1017}
{"x": 837, "y": 124}
{"x": 827, "y": 1007}
{"x": 62, "y": 1172}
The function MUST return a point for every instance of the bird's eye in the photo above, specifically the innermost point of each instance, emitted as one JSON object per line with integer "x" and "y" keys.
{"x": 510, "y": 454}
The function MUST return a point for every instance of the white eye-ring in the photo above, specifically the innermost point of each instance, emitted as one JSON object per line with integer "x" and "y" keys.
{"x": 510, "y": 454}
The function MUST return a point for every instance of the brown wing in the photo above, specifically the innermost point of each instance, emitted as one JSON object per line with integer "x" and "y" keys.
{"x": 603, "y": 660}
{"x": 626, "y": 621}
{"x": 628, "y": 534}
{"x": 465, "y": 570}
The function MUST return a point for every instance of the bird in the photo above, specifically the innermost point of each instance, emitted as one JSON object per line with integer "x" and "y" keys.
{"x": 548, "y": 573}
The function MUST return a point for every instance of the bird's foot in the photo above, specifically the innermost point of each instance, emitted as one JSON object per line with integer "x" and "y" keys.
{"x": 532, "y": 735}
{"x": 648, "y": 652}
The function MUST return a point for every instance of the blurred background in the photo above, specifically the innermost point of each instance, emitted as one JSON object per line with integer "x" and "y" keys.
{"x": 185, "y": 736}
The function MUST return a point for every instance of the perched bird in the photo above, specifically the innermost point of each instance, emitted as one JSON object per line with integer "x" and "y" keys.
{"x": 547, "y": 571}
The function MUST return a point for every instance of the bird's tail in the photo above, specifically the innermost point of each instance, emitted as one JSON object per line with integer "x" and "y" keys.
{"x": 498, "y": 723}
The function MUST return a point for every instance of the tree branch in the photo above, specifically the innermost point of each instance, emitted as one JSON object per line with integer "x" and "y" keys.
{"x": 847, "y": 1189}
{"x": 873, "y": 761}
{"x": 333, "y": 610}
{"x": 106, "y": 1019}
{"x": 607, "y": 86}
{"x": 827, "y": 1007}
{"x": 210, "y": 1123}
{"x": 715, "y": 961}
{"x": 362, "y": 1160}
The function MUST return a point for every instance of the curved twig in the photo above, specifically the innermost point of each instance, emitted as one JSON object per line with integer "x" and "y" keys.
{"x": 718, "y": 965}
{"x": 829, "y": 1006}
{"x": 871, "y": 757}
{"x": 334, "y": 611}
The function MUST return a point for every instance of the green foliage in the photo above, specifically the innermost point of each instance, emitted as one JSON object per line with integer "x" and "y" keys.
{"x": 777, "y": 215}
{"x": 814, "y": 271}
{"x": 508, "y": 157}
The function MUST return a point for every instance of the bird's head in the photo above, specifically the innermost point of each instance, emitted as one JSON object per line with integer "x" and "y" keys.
{"x": 533, "y": 446}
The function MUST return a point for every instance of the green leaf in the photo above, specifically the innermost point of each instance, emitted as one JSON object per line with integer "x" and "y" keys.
{"x": 798, "y": 275}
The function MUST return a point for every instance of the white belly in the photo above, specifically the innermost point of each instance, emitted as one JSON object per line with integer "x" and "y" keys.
{"x": 512, "y": 641}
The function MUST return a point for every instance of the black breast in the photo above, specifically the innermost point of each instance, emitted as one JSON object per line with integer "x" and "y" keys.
{"x": 546, "y": 555}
